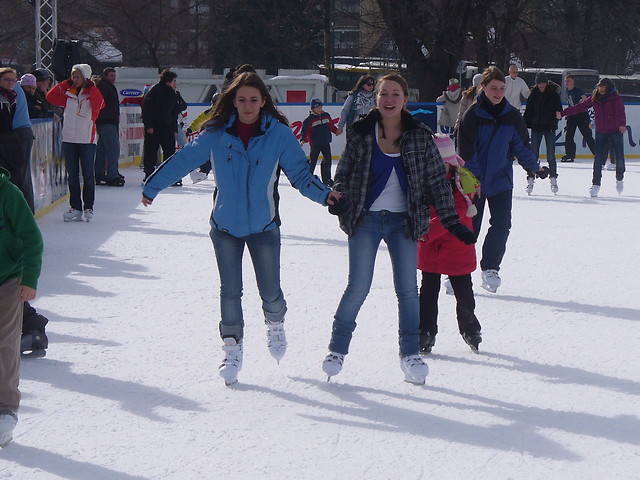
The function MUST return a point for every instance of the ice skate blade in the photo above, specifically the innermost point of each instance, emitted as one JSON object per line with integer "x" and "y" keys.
{"x": 7, "y": 442}
{"x": 489, "y": 289}
{"x": 231, "y": 382}
{"x": 34, "y": 354}
{"x": 415, "y": 380}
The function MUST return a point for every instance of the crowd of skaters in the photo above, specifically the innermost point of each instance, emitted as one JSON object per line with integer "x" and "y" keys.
{"x": 392, "y": 166}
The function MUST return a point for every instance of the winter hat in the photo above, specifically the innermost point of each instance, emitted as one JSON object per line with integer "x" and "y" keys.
{"x": 477, "y": 78}
{"x": 541, "y": 77}
{"x": 454, "y": 85}
{"x": 28, "y": 80}
{"x": 608, "y": 83}
{"x": 41, "y": 74}
{"x": 448, "y": 153}
{"x": 315, "y": 102}
{"x": 84, "y": 69}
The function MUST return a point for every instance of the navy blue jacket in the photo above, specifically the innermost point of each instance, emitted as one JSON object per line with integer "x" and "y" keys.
{"x": 316, "y": 129}
{"x": 487, "y": 145}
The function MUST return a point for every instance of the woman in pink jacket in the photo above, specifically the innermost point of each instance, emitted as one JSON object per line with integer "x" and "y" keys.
{"x": 611, "y": 123}
{"x": 82, "y": 102}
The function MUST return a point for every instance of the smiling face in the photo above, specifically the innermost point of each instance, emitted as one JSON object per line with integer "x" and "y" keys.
{"x": 494, "y": 91}
{"x": 78, "y": 79}
{"x": 248, "y": 102}
{"x": 391, "y": 98}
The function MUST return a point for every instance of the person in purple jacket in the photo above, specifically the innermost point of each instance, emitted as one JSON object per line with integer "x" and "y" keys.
{"x": 611, "y": 123}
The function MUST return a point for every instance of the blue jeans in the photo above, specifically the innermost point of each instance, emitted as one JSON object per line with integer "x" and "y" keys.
{"x": 495, "y": 242}
{"x": 107, "y": 151}
{"x": 77, "y": 156}
{"x": 264, "y": 249}
{"x": 603, "y": 140}
{"x": 363, "y": 247}
{"x": 550, "y": 140}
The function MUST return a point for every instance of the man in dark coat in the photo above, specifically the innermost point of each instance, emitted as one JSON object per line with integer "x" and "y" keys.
{"x": 107, "y": 125}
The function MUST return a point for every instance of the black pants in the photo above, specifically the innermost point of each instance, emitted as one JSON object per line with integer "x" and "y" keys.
{"x": 32, "y": 320}
{"x": 581, "y": 122}
{"x": 325, "y": 166}
{"x": 163, "y": 136}
{"x": 465, "y": 303}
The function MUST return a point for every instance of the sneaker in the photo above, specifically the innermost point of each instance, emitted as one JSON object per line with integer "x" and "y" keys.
{"x": 593, "y": 191}
{"x": 619, "y": 186}
{"x": 116, "y": 182}
{"x": 34, "y": 344}
{"x": 530, "y": 181}
{"x": 8, "y": 421}
{"x": 554, "y": 185}
{"x": 472, "y": 339}
{"x": 566, "y": 159}
{"x": 72, "y": 215}
{"x": 610, "y": 166}
{"x": 490, "y": 280}
{"x": 88, "y": 214}
{"x": 197, "y": 176}
{"x": 332, "y": 364}
{"x": 276, "y": 340}
{"x": 447, "y": 286}
{"x": 177, "y": 184}
{"x": 427, "y": 341}
{"x": 414, "y": 368}
{"x": 232, "y": 362}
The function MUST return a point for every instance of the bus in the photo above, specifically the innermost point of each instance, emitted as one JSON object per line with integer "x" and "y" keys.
{"x": 585, "y": 78}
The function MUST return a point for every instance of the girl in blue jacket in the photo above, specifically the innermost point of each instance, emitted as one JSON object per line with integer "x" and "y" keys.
{"x": 249, "y": 142}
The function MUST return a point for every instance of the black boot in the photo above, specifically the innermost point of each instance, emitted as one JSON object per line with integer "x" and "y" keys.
{"x": 34, "y": 344}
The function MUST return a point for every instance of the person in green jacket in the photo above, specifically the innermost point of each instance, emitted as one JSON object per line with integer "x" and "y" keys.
{"x": 20, "y": 262}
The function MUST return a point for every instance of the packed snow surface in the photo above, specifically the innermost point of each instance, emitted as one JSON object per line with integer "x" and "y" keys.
{"x": 129, "y": 388}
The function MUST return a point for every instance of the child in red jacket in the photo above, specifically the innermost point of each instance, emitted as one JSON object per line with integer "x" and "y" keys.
{"x": 440, "y": 253}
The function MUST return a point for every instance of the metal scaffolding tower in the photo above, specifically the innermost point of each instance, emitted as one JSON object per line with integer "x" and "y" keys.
{"x": 46, "y": 31}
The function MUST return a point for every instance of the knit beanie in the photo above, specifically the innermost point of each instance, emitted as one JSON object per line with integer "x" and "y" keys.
{"x": 84, "y": 70}
{"x": 28, "y": 80}
{"x": 448, "y": 153}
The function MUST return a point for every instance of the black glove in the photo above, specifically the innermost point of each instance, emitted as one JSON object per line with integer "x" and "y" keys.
{"x": 340, "y": 207}
{"x": 462, "y": 233}
{"x": 543, "y": 172}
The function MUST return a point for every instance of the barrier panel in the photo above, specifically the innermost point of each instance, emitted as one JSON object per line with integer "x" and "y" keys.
{"x": 49, "y": 175}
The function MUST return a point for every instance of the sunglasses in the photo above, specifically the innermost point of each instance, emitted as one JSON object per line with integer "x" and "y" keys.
{"x": 371, "y": 84}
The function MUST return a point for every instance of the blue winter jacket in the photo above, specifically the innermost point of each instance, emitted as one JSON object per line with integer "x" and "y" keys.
{"x": 246, "y": 198}
{"x": 488, "y": 144}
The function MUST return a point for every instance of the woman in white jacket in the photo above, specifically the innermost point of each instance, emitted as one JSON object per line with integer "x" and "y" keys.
{"x": 82, "y": 102}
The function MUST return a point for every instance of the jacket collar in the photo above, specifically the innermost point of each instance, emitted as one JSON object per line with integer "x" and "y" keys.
{"x": 366, "y": 125}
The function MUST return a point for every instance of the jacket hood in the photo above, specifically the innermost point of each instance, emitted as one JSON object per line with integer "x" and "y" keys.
{"x": 267, "y": 122}
{"x": 4, "y": 176}
{"x": 453, "y": 96}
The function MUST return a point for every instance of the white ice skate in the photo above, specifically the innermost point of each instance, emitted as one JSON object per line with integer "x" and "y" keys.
{"x": 276, "y": 340}
{"x": 232, "y": 362}
{"x": 8, "y": 422}
{"x": 554, "y": 185}
{"x": 197, "y": 176}
{"x": 414, "y": 368}
{"x": 332, "y": 364}
{"x": 530, "y": 182}
{"x": 619, "y": 186}
{"x": 490, "y": 280}
{"x": 593, "y": 191}
{"x": 72, "y": 215}
{"x": 88, "y": 214}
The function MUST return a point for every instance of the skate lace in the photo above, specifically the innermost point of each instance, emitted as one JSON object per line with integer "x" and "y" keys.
{"x": 231, "y": 355}
{"x": 413, "y": 361}
{"x": 276, "y": 335}
{"x": 334, "y": 358}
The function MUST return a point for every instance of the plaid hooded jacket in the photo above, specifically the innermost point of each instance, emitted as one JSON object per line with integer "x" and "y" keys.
{"x": 426, "y": 175}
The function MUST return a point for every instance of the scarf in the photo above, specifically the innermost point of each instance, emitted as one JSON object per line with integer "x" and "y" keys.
{"x": 10, "y": 95}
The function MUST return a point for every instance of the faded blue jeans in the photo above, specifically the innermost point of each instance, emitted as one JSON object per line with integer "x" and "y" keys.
{"x": 550, "y": 140}
{"x": 264, "y": 249}
{"x": 363, "y": 247}
{"x": 107, "y": 151}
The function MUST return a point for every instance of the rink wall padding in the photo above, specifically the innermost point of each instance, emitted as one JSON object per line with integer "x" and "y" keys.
{"x": 49, "y": 174}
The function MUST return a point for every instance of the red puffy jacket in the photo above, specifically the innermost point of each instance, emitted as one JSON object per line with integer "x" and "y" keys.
{"x": 441, "y": 252}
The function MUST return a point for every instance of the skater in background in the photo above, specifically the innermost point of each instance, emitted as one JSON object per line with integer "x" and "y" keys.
{"x": 468, "y": 97}
{"x": 249, "y": 142}
{"x": 389, "y": 172}
{"x": 82, "y": 102}
{"x": 611, "y": 123}
{"x": 451, "y": 98}
{"x": 580, "y": 121}
{"x": 20, "y": 263}
{"x": 359, "y": 102}
{"x": 491, "y": 133}
{"x": 441, "y": 253}
{"x": 316, "y": 130}
{"x": 540, "y": 116}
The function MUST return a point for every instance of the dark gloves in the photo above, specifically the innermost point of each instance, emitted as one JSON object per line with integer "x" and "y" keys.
{"x": 340, "y": 207}
{"x": 543, "y": 172}
{"x": 462, "y": 233}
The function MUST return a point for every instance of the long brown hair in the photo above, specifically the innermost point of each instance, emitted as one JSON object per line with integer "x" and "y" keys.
{"x": 394, "y": 77}
{"x": 492, "y": 73}
{"x": 225, "y": 108}
{"x": 361, "y": 81}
